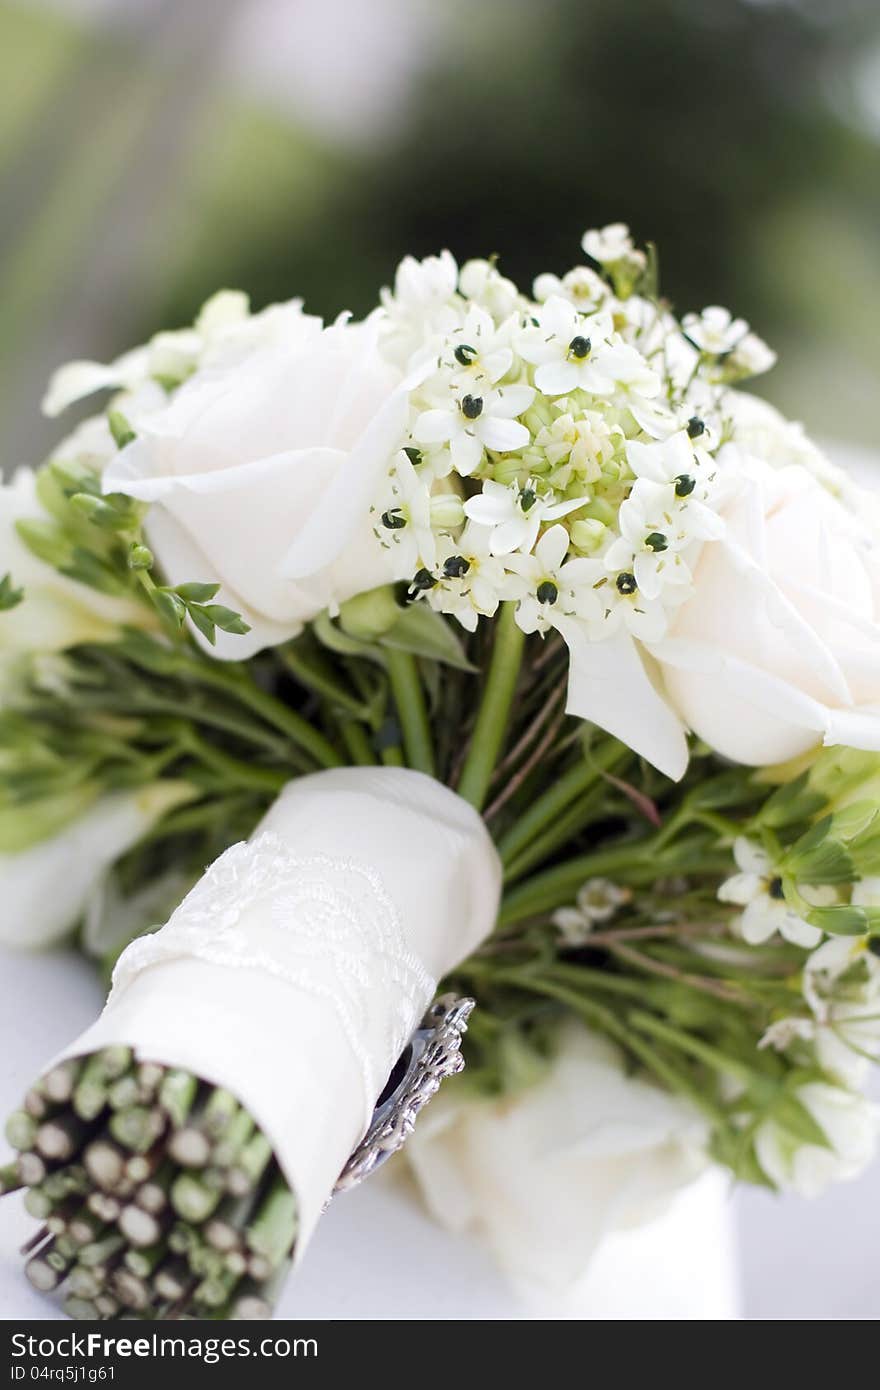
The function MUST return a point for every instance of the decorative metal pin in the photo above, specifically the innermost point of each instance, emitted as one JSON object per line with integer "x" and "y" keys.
{"x": 432, "y": 1054}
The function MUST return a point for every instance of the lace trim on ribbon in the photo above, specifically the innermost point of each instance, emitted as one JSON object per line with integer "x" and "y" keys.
{"x": 330, "y": 930}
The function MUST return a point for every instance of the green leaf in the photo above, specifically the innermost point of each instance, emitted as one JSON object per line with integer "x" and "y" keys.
{"x": 845, "y": 920}
{"x": 90, "y": 569}
{"x": 225, "y": 618}
{"x": 791, "y": 804}
{"x": 196, "y": 593}
{"x": 73, "y": 476}
{"x": 203, "y": 623}
{"x": 335, "y": 640}
{"x": 794, "y": 1117}
{"x": 101, "y": 512}
{"x": 121, "y": 430}
{"x": 727, "y": 789}
{"x": 10, "y": 597}
{"x": 422, "y": 632}
{"x": 46, "y": 540}
{"x": 171, "y": 608}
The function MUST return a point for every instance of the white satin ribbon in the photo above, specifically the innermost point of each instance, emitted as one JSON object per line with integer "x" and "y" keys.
{"x": 297, "y": 968}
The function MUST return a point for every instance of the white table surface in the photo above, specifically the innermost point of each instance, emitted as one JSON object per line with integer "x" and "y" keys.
{"x": 376, "y": 1255}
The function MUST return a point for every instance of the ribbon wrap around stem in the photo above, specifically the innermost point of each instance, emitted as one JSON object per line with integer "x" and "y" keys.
{"x": 296, "y": 970}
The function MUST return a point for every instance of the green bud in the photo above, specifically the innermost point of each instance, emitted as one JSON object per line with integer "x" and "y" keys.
{"x": 370, "y": 615}
{"x": 587, "y": 535}
{"x": 600, "y": 510}
{"x": 140, "y": 557}
{"x": 121, "y": 430}
{"x": 100, "y": 512}
{"x": 447, "y": 511}
{"x": 509, "y": 470}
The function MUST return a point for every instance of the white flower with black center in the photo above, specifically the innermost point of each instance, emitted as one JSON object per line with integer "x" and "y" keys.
{"x": 515, "y": 514}
{"x": 758, "y": 889}
{"x": 547, "y": 585}
{"x": 597, "y": 902}
{"x": 715, "y": 331}
{"x": 477, "y": 354}
{"x": 404, "y": 521}
{"x": 690, "y": 472}
{"x": 623, "y": 606}
{"x": 476, "y": 422}
{"x": 468, "y": 581}
{"x": 653, "y": 534}
{"x": 569, "y": 350}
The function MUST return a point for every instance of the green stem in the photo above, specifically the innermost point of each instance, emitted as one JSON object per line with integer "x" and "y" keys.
{"x": 358, "y": 744}
{"x": 322, "y": 682}
{"x": 602, "y": 1018}
{"x": 409, "y": 697}
{"x": 236, "y": 770}
{"x": 638, "y": 860}
{"x": 557, "y": 798}
{"x": 494, "y": 712}
{"x": 274, "y": 712}
{"x": 586, "y": 809}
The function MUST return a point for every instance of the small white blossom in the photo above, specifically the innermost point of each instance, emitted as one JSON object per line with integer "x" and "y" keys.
{"x": 714, "y": 331}
{"x": 611, "y": 245}
{"x": 582, "y": 287}
{"x": 623, "y": 605}
{"x": 475, "y": 423}
{"x": 692, "y": 475}
{"x": 751, "y": 356}
{"x": 597, "y": 902}
{"x": 758, "y": 889}
{"x": 477, "y": 354}
{"x": 515, "y": 514}
{"x": 653, "y": 533}
{"x": 481, "y": 282}
{"x": 574, "y": 352}
{"x": 471, "y": 581}
{"x": 550, "y": 585}
{"x": 405, "y": 521}
{"x": 424, "y": 285}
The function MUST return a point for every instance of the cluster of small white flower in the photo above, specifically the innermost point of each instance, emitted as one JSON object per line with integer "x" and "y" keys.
{"x": 835, "y": 1034}
{"x": 592, "y": 427}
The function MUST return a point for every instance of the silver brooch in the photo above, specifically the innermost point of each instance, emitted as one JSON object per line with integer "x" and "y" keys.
{"x": 432, "y": 1054}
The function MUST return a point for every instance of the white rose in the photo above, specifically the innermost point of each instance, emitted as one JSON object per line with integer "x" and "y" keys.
{"x": 45, "y": 888}
{"x": 262, "y": 469}
{"x": 778, "y": 649}
{"x": 56, "y": 612}
{"x": 545, "y": 1174}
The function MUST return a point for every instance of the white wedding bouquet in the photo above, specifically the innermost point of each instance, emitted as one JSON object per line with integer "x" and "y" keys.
{"x": 495, "y": 639}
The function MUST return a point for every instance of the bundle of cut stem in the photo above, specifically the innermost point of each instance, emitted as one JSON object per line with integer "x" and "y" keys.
{"x": 159, "y": 1196}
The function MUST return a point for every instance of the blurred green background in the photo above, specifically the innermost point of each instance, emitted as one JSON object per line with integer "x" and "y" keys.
{"x": 152, "y": 151}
